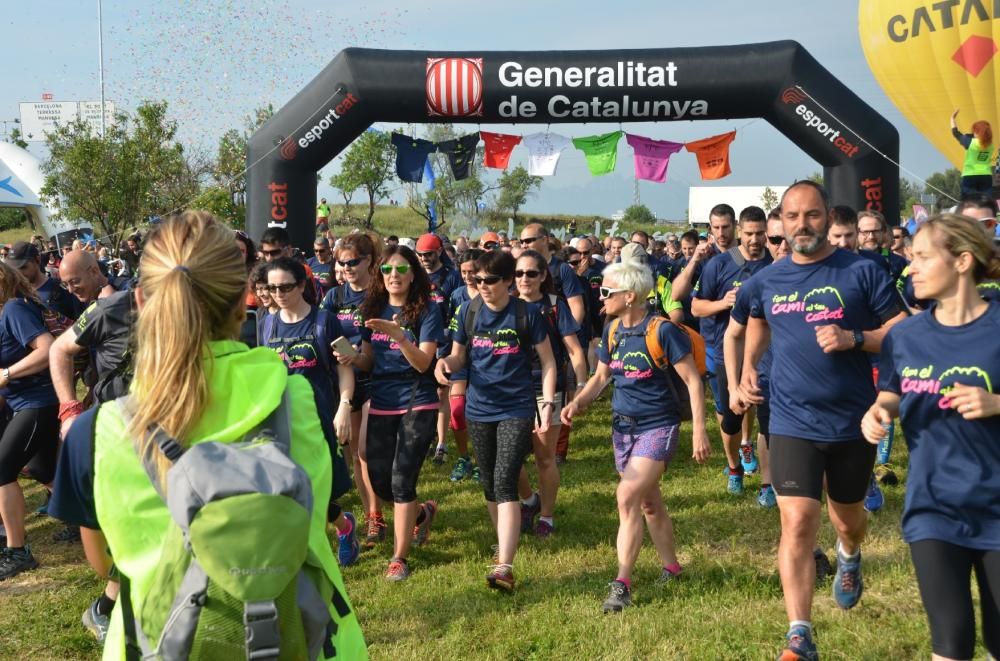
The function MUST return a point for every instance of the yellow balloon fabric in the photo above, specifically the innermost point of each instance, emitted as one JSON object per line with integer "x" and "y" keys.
{"x": 932, "y": 58}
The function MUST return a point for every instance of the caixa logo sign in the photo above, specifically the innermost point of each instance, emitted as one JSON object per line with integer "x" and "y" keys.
{"x": 331, "y": 116}
{"x": 813, "y": 120}
{"x": 454, "y": 86}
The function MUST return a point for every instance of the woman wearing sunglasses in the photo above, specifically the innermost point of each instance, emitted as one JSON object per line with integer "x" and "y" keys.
{"x": 645, "y": 420}
{"x": 301, "y": 333}
{"x": 534, "y": 285}
{"x": 938, "y": 373}
{"x": 400, "y": 337}
{"x": 494, "y": 342}
{"x": 357, "y": 259}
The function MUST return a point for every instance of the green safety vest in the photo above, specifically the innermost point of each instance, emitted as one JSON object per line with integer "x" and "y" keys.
{"x": 323, "y": 211}
{"x": 978, "y": 160}
{"x": 245, "y": 386}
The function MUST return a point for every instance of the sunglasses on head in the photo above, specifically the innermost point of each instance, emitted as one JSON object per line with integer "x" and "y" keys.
{"x": 608, "y": 292}
{"x": 284, "y": 288}
{"x": 529, "y": 273}
{"x": 401, "y": 269}
{"x": 775, "y": 240}
{"x": 350, "y": 263}
{"x": 486, "y": 279}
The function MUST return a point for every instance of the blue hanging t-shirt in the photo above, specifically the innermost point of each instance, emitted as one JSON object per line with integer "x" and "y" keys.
{"x": 814, "y": 395}
{"x": 20, "y": 324}
{"x": 411, "y": 155}
{"x": 392, "y": 374}
{"x": 953, "y": 481}
{"x": 641, "y": 390}
{"x": 721, "y": 275}
{"x": 500, "y": 385}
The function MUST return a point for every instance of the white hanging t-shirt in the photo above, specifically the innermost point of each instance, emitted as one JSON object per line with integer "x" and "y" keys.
{"x": 544, "y": 150}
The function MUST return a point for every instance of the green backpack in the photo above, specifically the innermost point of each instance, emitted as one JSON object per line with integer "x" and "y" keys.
{"x": 236, "y": 578}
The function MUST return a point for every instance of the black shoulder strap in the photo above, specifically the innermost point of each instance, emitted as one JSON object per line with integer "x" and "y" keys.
{"x": 521, "y": 323}
{"x": 471, "y": 313}
{"x": 339, "y": 295}
{"x": 738, "y": 257}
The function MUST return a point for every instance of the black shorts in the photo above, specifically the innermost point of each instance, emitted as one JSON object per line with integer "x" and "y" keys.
{"x": 30, "y": 440}
{"x": 732, "y": 423}
{"x": 798, "y": 467}
{"x": 362, "y": 392}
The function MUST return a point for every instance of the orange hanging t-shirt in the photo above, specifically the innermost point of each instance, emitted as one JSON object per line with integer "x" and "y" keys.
{"x": 713, "y": 155}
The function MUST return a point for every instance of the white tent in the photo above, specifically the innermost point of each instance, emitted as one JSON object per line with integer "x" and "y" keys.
{"x": 21, "y": 179}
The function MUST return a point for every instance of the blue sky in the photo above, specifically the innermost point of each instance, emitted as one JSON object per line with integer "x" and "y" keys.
{"x": 216, "y": 60}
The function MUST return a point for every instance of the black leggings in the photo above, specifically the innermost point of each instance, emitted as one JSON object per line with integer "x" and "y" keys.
{"x": 30, "y": 439}
{"x": 395, "y": 450}
{"x": 943, "y": 576}
{"x": 501, "y": 448}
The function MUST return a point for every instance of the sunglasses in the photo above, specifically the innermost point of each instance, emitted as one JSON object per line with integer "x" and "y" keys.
{"x": 574, "y": 262}
{"x": 272, "y": 253}
{"x": 492, "y": 245}
{"x": 430, "y": 254}
{"x": 283, "y": 288}
{"x": 530, "y": 273}
{"x": 608, "y": 292}
{"x": 401, "y": 269}
{"x": 486, "y": 279}
{"x": 775, "y": 240}
{"x": 321, "y": 251}
{"x": 352, "y": 263}
{"x": 529, "y": 239}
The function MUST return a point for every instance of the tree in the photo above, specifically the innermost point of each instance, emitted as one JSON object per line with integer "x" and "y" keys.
{"x": 768, "y": 199}
{"x": 639, "y": 213}
{"x": 515, "y": 187}
{"x": 115, "y": 181}
{"x": 346, "y": 185}
{"x": 945, "y": 185}
{"x": 909, "y": 194}
{"x": 231, "y": 156}
{"x": 370, "y": 163}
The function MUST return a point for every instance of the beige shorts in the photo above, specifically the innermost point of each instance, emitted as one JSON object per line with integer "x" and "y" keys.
{"x": 556, "y": 410}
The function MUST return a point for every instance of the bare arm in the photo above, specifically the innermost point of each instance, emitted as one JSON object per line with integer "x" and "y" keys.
{"x": 577, "y": 308}
{"x": 578, "y": 359}
{"x": 61, "y": 355}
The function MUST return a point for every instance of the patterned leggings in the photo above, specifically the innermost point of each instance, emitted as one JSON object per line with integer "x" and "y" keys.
{"x": 501, "y": 448}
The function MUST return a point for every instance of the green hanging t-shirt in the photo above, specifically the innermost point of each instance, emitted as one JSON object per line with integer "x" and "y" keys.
{"x": 601, "y": 151}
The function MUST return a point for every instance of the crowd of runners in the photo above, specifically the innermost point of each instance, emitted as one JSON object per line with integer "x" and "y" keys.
{"x": 818, "y": 325}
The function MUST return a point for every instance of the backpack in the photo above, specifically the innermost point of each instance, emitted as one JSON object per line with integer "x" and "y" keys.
{"x": 220, "y": 592}
{"x": 550, "y": 313}
{"x": 675, "y": 384}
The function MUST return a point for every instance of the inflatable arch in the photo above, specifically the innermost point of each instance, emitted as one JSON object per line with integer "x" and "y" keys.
{"x": 777, "y": 81}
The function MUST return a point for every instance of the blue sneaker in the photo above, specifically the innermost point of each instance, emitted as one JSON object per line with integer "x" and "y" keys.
{"x": 748, "y": 458}
{"x": 874, "y": 500}
{"x": 848, "y": 583}
{"x": 735, "y": 484}
{"x": 767, "y": 498}
{"x": 800, "y": 646}
{"x": 348, "y": 548}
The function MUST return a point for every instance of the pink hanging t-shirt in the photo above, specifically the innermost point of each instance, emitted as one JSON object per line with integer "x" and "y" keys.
{"x": 652, "y": 156}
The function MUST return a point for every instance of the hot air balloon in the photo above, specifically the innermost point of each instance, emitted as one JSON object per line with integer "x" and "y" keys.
{"x": 932, "y": 58}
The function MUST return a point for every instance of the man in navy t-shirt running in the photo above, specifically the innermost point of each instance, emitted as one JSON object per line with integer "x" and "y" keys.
{"x": 826, "y": 310}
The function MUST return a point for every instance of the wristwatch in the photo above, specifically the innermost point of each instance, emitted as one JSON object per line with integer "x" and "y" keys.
{"x": 859, "y": 339}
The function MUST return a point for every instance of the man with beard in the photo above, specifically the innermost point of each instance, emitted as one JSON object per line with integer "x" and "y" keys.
{"x": 825, "y": 310}
{"x": 873, "y": 236}
{"x": 714, "y": 296}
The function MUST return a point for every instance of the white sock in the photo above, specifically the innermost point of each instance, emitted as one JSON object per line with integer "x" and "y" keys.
{"x": 548, "y": 520}
{"x": 843, "y": 555}
{"x": 801, "y": 623}
{"x": 531, "y": 501}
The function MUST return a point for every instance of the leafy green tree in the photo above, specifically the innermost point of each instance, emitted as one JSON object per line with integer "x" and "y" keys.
{"x": 346, "y": 185}
{"x": 369, "y": 165}
{"x": 909, "y": 194}
{"x": 219, "y": 201}
{"x": 945, "y": 185}
{"x": 516, "y": 186}
{"x": 639, "y": 213}
{"x": 231, "y": 155}
{"x": 768, "y": 199}
{"x": 115, "y": 181}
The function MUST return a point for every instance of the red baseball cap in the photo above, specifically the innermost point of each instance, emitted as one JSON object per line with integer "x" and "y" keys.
{"x": 428, "y": 242}
{"x": 489, "y": 236}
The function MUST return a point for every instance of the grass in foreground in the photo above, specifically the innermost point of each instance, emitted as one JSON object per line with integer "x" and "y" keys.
{"x": 728, "y": 604}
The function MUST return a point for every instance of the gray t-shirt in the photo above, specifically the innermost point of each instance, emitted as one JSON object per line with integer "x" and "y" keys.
{"x": 105, "y": 328}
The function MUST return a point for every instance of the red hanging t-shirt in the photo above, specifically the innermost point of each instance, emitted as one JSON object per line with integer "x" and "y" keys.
{"x": 713, "y": 155}
{"x": 498, "y": 148}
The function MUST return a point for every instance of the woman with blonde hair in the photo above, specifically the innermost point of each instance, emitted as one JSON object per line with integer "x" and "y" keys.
{"x": 937, "y": 373}
{"x": 31, "y": 437}
{"x": 980, "y": 155}
{"x": 195, "y": 383}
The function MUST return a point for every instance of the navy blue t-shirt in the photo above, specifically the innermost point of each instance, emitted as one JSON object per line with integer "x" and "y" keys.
{"x": 893, "y": 264}
{"x": 814, "y": 395}
{"x": 641, "y": 390}
{"x": 323, "y": 273}
{"x": 594, "y": 277}
{"x": 570, "y": 285}
{"x": 349, "y": 322}
{"x": 56, "y": 298}
{"x": 73, "y": 488}
{"x": 411, "y": 155}
{"x": 458, "y": 298}
{"x": 742, "y": 310}
{"x": 443, "y": 282}
{"x": 20, "y": 323}
{"x": 953, "y": 483}
{"x": 565, "y": 325}
{"x": 392, "y": 374}
{"x": 720, "y": 275}
{"x": 500, "y": 385}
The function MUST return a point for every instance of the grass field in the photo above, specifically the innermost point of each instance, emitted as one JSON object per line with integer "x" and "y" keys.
{"x": 727, "y": 606}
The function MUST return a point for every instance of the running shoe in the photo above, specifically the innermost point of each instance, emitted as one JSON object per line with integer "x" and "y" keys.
{"x": 823, "y": 567}
{"x": 475, "y": 474}
{"x": 439, "y": 456}
{"x": 13, "y": 562}
{"x": 800, "y": 646}
{"x": 96, "y": 623}
{"x": 766, "y": 497}
{"x": 397, "y": 571}
{"x": 735, "y": 486}
{"x": 44, "y": 509}
{"x": 886, "y": 475}
{"x": 748, "y": 458}
{"x": 619, "y": 598}
{"x": 421, "y": 531}
{"x": 848, "y": 583}
{"x": 560, "y": 460}
{"x": 374, "y": 530}
{"x": 68, "y": 535}
{"x": 874, "y": 500}
{"x": 544, "y": 529}
{"x": 462, "y": 469}
{"x": 667, "y": 576}
{"x": 528, "y": 514}
{"x": 348, "y": 548}
{"x": 501, "y": 577}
